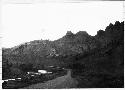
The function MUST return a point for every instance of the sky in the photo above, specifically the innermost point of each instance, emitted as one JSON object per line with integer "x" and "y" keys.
{"x": 27, "y": 22}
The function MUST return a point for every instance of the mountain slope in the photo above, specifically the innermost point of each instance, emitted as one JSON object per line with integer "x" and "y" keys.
{"x": 88, "y": 56}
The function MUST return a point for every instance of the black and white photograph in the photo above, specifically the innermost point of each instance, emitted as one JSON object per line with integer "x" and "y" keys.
{"x": 62, "y": 44}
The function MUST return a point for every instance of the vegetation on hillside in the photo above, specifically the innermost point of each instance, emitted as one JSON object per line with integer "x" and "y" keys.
{"x": 96, "y": 61}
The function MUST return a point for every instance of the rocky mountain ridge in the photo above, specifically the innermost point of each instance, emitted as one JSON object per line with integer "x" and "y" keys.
{"x": 102, "y": 54}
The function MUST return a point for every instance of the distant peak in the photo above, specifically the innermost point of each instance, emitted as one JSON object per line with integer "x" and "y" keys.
{"x": 100, "y": 33}
{"x": 69, "y": 33}
{"x": 82, "y": 33}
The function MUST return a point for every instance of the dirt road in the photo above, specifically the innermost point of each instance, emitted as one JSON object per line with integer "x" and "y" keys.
{"x": 61, "y": 82}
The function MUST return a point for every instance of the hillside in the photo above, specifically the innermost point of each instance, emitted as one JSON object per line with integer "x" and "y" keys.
{"x": 86, "y": 55}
